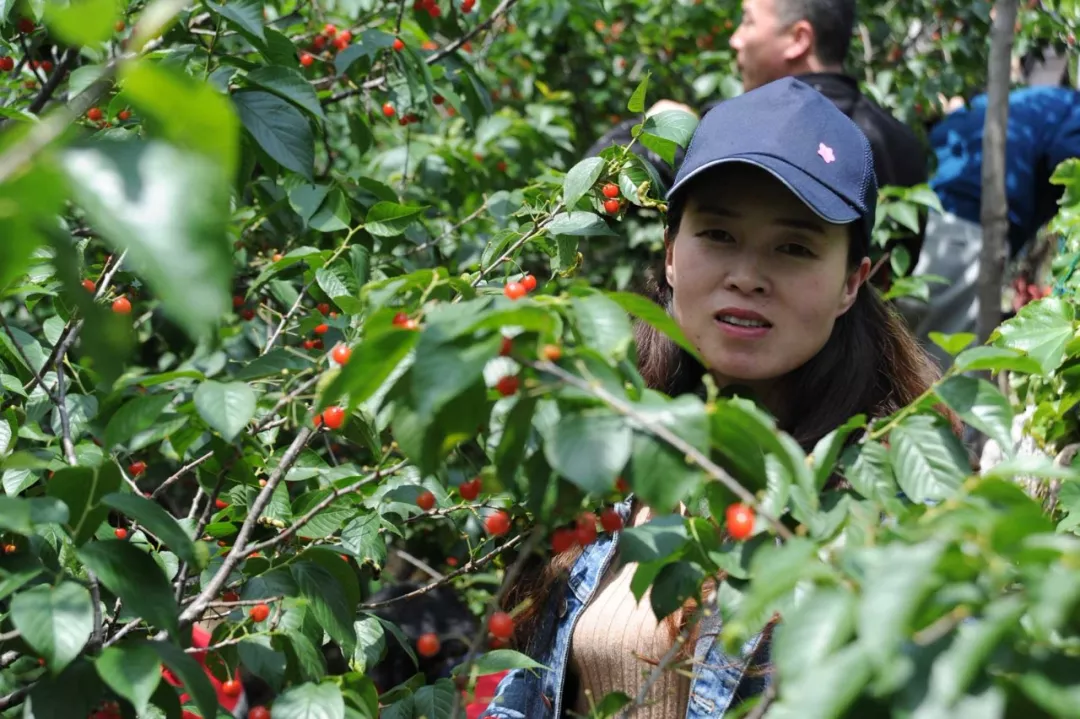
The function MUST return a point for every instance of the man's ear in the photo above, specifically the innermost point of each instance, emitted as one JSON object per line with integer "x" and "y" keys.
{"x": 852, "y": 284}
{"x": 802, "y": 41}
{"x": 669, "y": 257}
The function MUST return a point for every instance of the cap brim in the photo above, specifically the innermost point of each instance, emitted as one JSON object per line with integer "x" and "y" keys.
{"x": 825, "y": 203}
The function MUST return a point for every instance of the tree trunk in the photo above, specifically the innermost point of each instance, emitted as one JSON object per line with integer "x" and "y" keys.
{"x": 994, "y": 212}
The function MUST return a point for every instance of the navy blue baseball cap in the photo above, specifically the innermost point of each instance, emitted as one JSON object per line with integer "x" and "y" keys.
{"x": 800, "y": 137}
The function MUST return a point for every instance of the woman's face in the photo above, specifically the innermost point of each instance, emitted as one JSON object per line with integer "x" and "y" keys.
{"x": 759, "y": 280}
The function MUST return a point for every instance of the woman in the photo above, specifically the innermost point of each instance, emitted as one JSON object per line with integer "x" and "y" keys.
{"x": 769, "y": 223}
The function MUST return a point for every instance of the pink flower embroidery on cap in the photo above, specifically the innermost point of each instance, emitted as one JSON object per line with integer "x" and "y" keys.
{"x": 826, "y": 153}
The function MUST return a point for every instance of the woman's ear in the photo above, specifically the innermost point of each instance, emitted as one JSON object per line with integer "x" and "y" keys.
{"x": 669, "y": 257}
{"x": 852, "y": 284}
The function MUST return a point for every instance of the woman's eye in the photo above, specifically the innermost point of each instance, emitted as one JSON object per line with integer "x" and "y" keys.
{"x": 718, "y": 235}
{"x": 797, "y": 250}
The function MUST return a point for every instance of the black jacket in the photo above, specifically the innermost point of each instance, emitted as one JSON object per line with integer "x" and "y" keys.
{"x": 899, "y": 157}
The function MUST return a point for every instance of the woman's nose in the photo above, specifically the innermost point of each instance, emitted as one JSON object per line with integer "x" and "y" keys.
{"x": 746, "y": 274}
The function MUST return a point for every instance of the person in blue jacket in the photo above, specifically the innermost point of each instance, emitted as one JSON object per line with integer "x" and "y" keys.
{"x": 767, "y": 242}
{"x": 1043, "y": 130}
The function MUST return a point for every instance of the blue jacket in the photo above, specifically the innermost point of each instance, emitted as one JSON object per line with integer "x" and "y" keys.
{"x": 719, "y": 681}
{"x": 1043, "y": 130}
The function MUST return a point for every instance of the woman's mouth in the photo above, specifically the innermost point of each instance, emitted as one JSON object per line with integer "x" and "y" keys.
{"x": 742, "y": 324}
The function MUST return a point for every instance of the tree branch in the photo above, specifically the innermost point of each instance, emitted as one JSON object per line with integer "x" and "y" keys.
{"x": 60, "y": 72}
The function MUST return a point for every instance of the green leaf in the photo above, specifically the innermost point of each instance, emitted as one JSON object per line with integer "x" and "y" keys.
{"x": 659, "y": 473}
{"x": 260, "y": 658}
{"x": 82, "y": 22}
{"x": 370, "y": 644}
{"x": 290, "y": 84}
{"x": 22, "y": 515}
{"x": 443, "y": 371}
{"x": 997, "y": 359}
{"x": 675, "y": 125}
{"x": 829, "y": 447}
{"x": 603, "y": 324}
{"x": 55, "y": 621}
{"x": 1041, "y": 329}
{"x": 81, "y": 489}
{"x": 190, "y": 674}
{"x": 659, "y": 538}
{"x": 498, "y": 660}
{"x": 135, "y": 416}
{"x": 327, "y": 601}
{"x": 820, "y": 623}
{"x": 589, "y": 449}
{"x": 435, "y": 701}
{"x": 826, "y": 690}
{"x": 905, "y": 214}
{"x": 310, "y": 701}
{"x": 675, "y": 583}
{"x": 954, "y": 343}
{"x": 1031, "y": 466}
{"x": 186, "y": 112}
{"x": 665, "y": 149}
{"x": 648, "y": 311}
{"x": 132, "y": 575}
{"x": 981, "y": 405}
{"x": 247, "y": 14}
{"x": 580, "y": 179}
{"x": 871, "y": 472}
{"x": 637, "y": 99}
{"x": 279, "y": 128}
{"x": 929, "y": 460}
{"x": 81, "y": 409}
{"x": 168, "y": 210}
{"x": 389, "y": 219}
{"x": 131, "y": 670}
{"x": 372, "y": 361}
{"x": 271, "y": 363}
{"x": 72, "y": 694}
{"x": 227, "y": 408}
{"x": 579, "y": 224}
{"x": 160, "y": 523}
{"x": 361, "y": 538}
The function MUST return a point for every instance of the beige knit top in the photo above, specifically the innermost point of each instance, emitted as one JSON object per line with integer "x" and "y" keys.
{"x": 617, "y": 643}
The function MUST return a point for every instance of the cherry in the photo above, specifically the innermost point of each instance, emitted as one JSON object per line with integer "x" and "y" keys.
{"x": 121, "y": 305}
{"x": 124, "y": 115}
{"x": 427, "y": 645}
{"x": 507, "y": 385}
{"x": 329, "y": 30}
{"x": 319, "y": 42}
{"x": 248, "y": 314}
{"x": 232, "y": 688}
{"x": 501, "y": 166}
{"x": 388, "y": 109}
{"x": 333, "y": 417}
{"x": 306, "y": 59}
{"x": 611, "y": 521}
{"x": 621, "y": 485}
{"x": 437, "y": 99}
{"x": 237, "y": 301}
{"x": 137, "y": 468}
{"x": 740, "y": 520}
{"x": 220, "y": 503}
{"x": 259, "y": 612}
{"x": 26, "y": 26}
{"x": 119, "y": 26}
{"x": 552, "y": 353}
{"x": 514, "y": 290}
{"x": 398, "y": 44}
{"x": 452, "y": 561}
{"x": 400, "y": 319}
{"x": 612, "y": 206}
{"x": 529, "y": 283}
{"x": 47, "y": 66}
{"x": 563, "y": 539}
{"x": 467, "y": 6}
{"x": 309, "y": 344}
{"x": 501, "y": 625}
{"x": 425, "y": 501}
{"x": 90, "y": 286}
{"x": 497, "y": 523}
{"x": 610, "y": 190}
{"x": 93, "y": 114}
{"x": 341, "y": 354}
{"x": 321, "y": 329}
{"x": 317, "y": 420}
{"x": 506, "y": 347}
{"x": 259, "y": 712}
{"x": 411, "y": 325}
{"x": 341, "y": 41}
{"x": 230, "y": 596}
{"x": 586, "y": 529}
{"x": 276, "y": 257}
{"x": 120, "y": 533}
{"x": 470, "y": 490}
{"x": 324, "y": 308}
{"x": 7, "y": 64}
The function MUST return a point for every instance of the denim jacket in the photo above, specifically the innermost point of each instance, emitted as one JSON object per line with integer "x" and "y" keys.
{"x": 719, "y": 681}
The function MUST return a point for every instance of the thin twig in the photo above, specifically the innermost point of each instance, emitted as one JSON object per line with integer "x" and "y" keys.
{"x": 536, "y": 230}
{"x": 300, "y": 297}
{"x": 180, "y": 473}
{"x": 95, "y": 599}
{"x": 421, "y": 565}
{"x": 124, "y": 631}
{"x": 19, "y": 350}
{"x": 431, "y": 243}
{"x": 1064, "y": 458}
{"x": 65, "y": 420}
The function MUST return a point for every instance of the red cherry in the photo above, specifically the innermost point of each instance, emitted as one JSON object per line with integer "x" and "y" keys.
{"x": 437, "y": 99}
{"x": 740, "y": 521}
{"x": 612, "y": 206}
{"x": 514, "y": 290}
{"x": 321, "y": 329}
{"x": 308, "y": 344}
{"x": 317, "y": 420}
{"x": 506, "y": 347}
{"x": 121, "y": 306}
{"x": 307, "y": 59}
{"x": 425, "y": 501}
{"x": 611, "y": 521}
{"x": 563, "y": 539}
{"x": 119, "y": 26}
{"x": 120, "y": 533}
{"x": 497, "y": 523}
{"x": 501, "y": 625}
{"x": 276, "y": 257}
{"x": 93, "y": 114}
{"x": 137, "y": 468}
{"x": 47, "y": 66}
{"x": 400, "y": 319}
{"x": 319, "y": 42}
{"x": 452, "y": 561}
{"x": 551, "y": 353}
{"x": 259, "y": 712}
{"x": 341, "y": 42}
{"x": 341, "y": 354}
{"x": 427, "y": 645}
{"x": 398, "y": 44}
{"x": 124, "y": 115}
{"x": 586, "y": 529}
{"x": 388, "y": 109}
{"x": 610, "y": 190}
{"x": 621, "y": 485}
{"x": 232, "y": 688}
{"x": 329, "y": 30}
{"x": 90, "y": 286}
{"x": 260, "y": 612}
{"x": 529, "y": 283}
{"x": 7, "y": 64}
{"x": 469, "y": 490}
{"x": 237, "y": 301}
{"x": 501, "y": 166}
{"x": 26, "y": 26}
{"x": 230, "y": 596}
{"x": 467, "y": 6}
{"x": 507, "y": 385}
{"x": 324, "y": 308}
{"x": 334, "y": 417}
{"x": 220, "y": 503}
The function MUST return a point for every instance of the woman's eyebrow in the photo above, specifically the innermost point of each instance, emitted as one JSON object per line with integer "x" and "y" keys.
{"x": 794, "y": 223}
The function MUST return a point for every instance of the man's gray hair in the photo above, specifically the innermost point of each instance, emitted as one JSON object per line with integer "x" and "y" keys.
{"x": 833, "y": 22}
